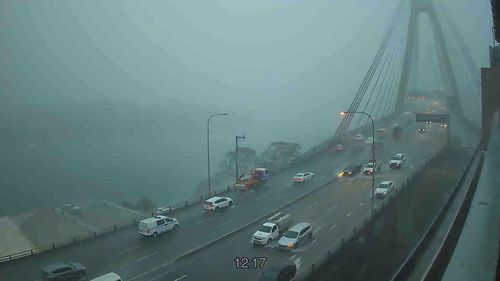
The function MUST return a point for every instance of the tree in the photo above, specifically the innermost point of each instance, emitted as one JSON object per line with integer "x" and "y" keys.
{"x": 145, "y": 204}
{"x": 247, "y": 159}
{"x": 280, "y": 154}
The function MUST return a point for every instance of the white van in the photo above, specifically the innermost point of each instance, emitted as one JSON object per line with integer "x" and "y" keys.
{"x": 157, "y": 225}
{"x": 108, "y": 277}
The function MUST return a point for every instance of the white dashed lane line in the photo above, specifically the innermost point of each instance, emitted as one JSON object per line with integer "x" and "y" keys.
{"x": 332, "y": 207}
{"x": 315, "y": 240}
{"x": 182, "y": 277}
{"x": 146, "y": 257}
{"x": 348, "y": 215}
{"x": 312, "y": 205}
{"x": 333, "y": 226}
{"x": 362, "y": 204}
{"x": 221, "y": 225}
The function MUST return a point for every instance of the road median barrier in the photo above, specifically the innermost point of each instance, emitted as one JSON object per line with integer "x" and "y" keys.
{"x": 197, "y": 249}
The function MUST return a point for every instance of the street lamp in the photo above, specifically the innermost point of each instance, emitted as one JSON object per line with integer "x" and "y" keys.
{"x": 236, "y": 157}
{"x": 208, "y": 149}
{"x": 344, "y": 113}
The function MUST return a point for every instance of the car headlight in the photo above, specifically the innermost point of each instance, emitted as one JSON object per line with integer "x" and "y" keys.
{"x": 290, "y": 245}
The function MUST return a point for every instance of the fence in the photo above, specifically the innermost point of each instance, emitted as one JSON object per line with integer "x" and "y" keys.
{"x": 307, "y": 156}
{"x": 356, "y": 232}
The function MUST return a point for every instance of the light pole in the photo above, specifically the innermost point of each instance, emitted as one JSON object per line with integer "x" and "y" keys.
{"x": 208, "y": 149}
{"x": 344, "y": 113}
{"x": 236, "y": 157}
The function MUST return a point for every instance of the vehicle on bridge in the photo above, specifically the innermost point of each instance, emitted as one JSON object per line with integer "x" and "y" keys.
{"x": 108, "y": 277}
{"x": 397, "y": 161}
{"x": 383, "y": 189}
{"x": 295, "y": 235}
{"x": 422, "y": 129}
{"x": 303, "y": 177}
{"x": 285, "y": 272}
{"x": 381, "y": 132}
{"x": 275, "y": 225}
{"x": 157, "y": 225}
{"x": 369, "y": 141}
{"x": 257, "y": 177}
{"x": 339, "y": 148}
{"x": 444, "y": 125}
{"x": 351, "y": 169}
{"x": 371, "y": 168}
{"x": 60, "y": 271}
{"x": 397, "y": 130}
{"x": 217, "y": 203}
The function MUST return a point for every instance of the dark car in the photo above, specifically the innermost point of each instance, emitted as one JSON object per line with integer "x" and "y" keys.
{"x": 61, "y": 271}
{"x": 285, "y": 272}
{"x": 351, "y": 169}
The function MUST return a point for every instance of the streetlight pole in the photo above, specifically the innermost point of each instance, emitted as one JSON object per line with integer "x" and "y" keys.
{"x": 208, "y": 149}
{"x": 343, "y": 113}
{"x": 236, "y": 158}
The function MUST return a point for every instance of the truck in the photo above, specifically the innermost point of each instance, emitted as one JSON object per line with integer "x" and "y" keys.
{"x": 271, "y": 229}
{"x": 397, "y": 131}
{"x": 255, "y": 178}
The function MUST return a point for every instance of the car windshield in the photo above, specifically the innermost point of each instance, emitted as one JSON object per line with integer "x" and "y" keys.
{"x": 265, "y": 228}
{"x": 369, "y": 165}
{"x": 397, "y": 157}
{"x": 383, "y": 185}
{"x": 299, "y": 175}
{"x": 291, "y": 234}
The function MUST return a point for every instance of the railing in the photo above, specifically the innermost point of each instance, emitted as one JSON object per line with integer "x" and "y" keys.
{"x": 354, "y": 234}
{"x": 410, "y": 262}
{"x": 307, "y": 156}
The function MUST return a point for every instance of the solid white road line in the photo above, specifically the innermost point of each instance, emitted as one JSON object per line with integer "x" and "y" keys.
{"x": 292, "y": 257}
{"x": 221, "y": 225}
{"x": 315, "y": 240}
{"x": 149, "y": 271}
{"x": 333, "y": 226}
{"x": 332, "y": 207}
{"x": 145, "y": 257}
{"x": 312, "y": 205}
{"x": 348, "y": 215}
{"x": 127, "y": 250}
{"x": 182, "y": 277}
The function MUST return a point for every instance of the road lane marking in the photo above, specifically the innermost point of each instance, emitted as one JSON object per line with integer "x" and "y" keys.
{"x": 146, "y": 257}
{"x": 312, "y": 205}
{"x": 333, "y": 226}
{"x": 332, "y": 207}
{"x": 205, "y": 220}
{"x": 362, "y": 204}
{"x": 292, "y": 257}
{"x": 221, "y": 225}
{"x": 182, "y": 277}
{"x": 315, "y": 240}
{"x": 348, "y": 215}
{"x": 149, "y": 271}
{"x": 127, "y": 250}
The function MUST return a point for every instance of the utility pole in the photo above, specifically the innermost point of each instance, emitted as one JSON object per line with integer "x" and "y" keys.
{"x": 236, "y": 158}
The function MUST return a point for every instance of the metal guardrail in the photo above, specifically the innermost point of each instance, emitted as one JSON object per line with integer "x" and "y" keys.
{"x": 311, "y": 153}
{"x": 410, "y": 262}
{"x": 356, "y": 232}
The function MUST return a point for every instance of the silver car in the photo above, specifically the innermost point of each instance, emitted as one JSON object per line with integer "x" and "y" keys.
{"x": 295, "y": 235}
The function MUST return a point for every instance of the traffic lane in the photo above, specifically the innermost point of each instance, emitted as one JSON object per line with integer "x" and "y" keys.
{"x": 226, "y": 219}
{"x": 337, "y": 206}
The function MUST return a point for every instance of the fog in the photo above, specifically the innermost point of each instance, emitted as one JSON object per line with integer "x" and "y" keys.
{"x": 111, "y": 98}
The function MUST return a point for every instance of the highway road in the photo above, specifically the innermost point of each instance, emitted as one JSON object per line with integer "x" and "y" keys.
{"x": 137, "y": 258}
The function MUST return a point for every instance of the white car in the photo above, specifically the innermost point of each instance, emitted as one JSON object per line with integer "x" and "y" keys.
{"x": 369, "y": 140}
{"x": 397, "y": 161}
{"x": 303, "y": 177}
{"x": 157, "y": 225}
{"x": 217, "y": 203}
{"x": 383, "y": 189}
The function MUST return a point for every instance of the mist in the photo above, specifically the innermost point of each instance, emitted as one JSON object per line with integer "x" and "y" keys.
{"x": 111, "y": 98}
